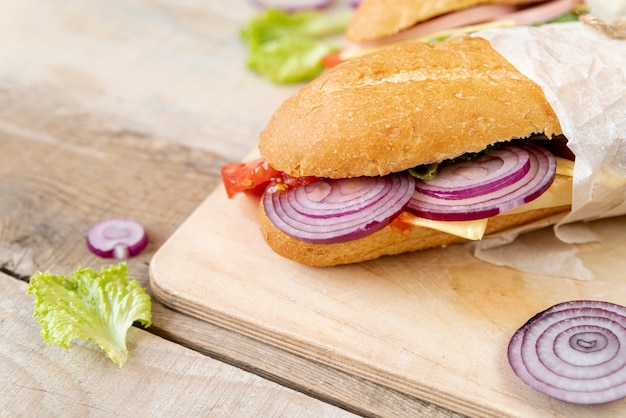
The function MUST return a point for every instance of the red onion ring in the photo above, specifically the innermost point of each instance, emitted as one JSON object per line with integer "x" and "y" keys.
{"x": 117, "y": 238}
{"x": 292, "y": 6}
{"x": 492, "y": 172}
{"x": 574, "y": 351}
{"x": 502, "y": 180}
{"x": 338, "y": 210}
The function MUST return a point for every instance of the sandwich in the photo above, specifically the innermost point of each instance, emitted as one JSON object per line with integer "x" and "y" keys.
{"x": 381, "y": 22}
{"x": 410, "y": 147}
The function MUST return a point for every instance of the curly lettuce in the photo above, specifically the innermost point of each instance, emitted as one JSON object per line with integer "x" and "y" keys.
{"x": 90, "y": 305}
{"x": 289, "y": 47}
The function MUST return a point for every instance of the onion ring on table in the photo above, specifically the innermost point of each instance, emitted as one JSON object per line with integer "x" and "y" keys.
{"x": 574, "y": 351}
{"x": 117, "y": 238}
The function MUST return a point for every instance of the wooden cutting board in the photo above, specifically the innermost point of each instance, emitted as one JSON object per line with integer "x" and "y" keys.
{"x": 433, "y": 324}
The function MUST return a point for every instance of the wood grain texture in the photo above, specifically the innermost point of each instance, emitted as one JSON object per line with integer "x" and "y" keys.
{"x": 62, "y": 173}
{"x": 433, "y": 324}
{"x": 168, "y": 69}
{"x": 161, "y": 378}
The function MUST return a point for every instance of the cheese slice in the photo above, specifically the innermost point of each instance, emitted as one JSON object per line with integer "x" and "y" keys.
{"x": 556, "y": 195}
{"x": 564, "y": 167}
{"x": 472, "y": 230}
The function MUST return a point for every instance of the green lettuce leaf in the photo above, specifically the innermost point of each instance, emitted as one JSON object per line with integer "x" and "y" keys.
{"x": 89, "y": 305}
{"x": 289, "y": 47}
{"x": 424, "y": 172}
{"x": 289, "y": 59}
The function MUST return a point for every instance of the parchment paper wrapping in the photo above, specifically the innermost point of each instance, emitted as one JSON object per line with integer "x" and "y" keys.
{"x": 583, "y": 75}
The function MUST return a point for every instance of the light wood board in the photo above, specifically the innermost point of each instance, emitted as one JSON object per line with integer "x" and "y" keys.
{"x": 433, "y": 324}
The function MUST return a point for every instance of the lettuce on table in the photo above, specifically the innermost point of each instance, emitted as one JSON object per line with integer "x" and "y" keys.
{"x": 90, "y": 305}
{"x": 289, "y": 47}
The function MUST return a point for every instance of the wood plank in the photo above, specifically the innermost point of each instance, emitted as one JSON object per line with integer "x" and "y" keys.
{"x": 60, "y": 175}
{"x": 167, "y": 69}
{"x": 160, "y": 377}
{"x": 433, "y": 324}
{"x": 313, "y": 378}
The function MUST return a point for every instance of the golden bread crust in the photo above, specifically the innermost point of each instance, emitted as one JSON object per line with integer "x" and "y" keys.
{"x": 374, "y": 19}
{"x": 389, "y": 242}
{"x": 403, "y": 106}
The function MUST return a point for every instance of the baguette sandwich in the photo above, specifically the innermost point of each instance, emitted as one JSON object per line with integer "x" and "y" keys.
{"x": 410, "y": 147}
{"x": 382, "y": 22}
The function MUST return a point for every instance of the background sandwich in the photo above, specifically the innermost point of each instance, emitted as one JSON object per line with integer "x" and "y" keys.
{"x": 381, "y": 22}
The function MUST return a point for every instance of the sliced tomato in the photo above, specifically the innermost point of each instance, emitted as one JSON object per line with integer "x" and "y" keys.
{"x": 248, "y": 177}
{"x": 332, "y": 59}
{"x": 402, "y": 223}
{"x": 254, "y": 176}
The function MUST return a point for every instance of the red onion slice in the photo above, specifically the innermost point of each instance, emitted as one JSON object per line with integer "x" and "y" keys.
{"x": 486, "y": 174}
{"x": 355, "y": 194}
{"x": 574, "y": 351}
{"x": 117, "y": 238}
{"x": 508, "y": 177}
{"x": 338, "y": 210}
{"x": 292, "y": 6}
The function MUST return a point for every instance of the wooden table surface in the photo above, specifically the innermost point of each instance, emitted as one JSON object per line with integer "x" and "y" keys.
{"x": 116, "y": 108}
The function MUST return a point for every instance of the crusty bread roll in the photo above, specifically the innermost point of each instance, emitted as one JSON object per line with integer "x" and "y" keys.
{"x": 394, "y": 109}
{"x": 376, "y": 19}
{"x": 403, "y": 106}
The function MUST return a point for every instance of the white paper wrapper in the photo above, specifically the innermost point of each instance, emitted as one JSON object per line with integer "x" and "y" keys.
{"x": 583, "y": 75}
{"x": 607, "y": 10}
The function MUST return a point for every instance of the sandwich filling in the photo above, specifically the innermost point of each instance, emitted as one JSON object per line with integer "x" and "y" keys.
{"x": 467, "y": 20}
{"x": 457, "y": 196}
